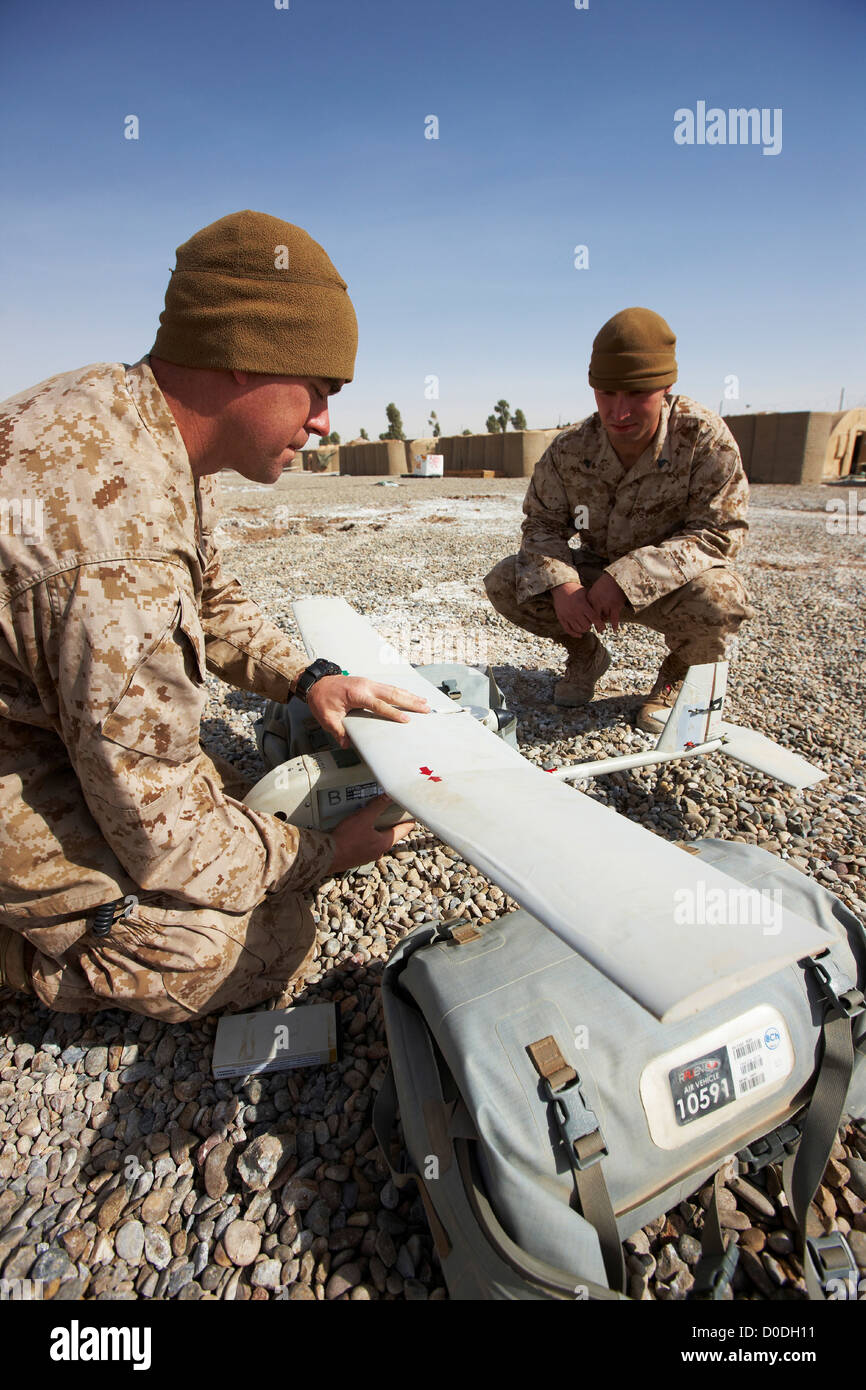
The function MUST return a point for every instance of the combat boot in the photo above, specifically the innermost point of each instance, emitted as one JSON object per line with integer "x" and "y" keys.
{"x": 588, "y": 659}
{"x": 663, "y": 695}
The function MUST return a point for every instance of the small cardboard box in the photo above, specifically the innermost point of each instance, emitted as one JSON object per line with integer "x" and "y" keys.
{"x": 428, "y": 465}
{"x": 307, "y": 1035}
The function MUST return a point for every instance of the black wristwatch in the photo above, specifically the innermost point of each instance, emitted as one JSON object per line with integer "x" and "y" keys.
{"x": 314, "y": 672}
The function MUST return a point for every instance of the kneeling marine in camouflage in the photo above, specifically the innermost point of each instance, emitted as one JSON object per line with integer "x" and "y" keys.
{"x": 654, "y": 488}
{"x": 131, "y": 874}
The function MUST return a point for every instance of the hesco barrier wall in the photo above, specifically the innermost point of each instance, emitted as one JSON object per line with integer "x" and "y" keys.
{"x": 511, "y": 455}
{"x": 800, "y": 446}
{"x": 386, "y": 456}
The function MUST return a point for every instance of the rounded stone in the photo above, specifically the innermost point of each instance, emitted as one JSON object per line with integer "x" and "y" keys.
{"x": 242, "y": 1242}
{"x": 111, "y": 1208}
{"x": 129, "y": 1242}
{"x": 342, "y": 1280}
{"x": 154, "y": 1208}
{"x": 216, "y": 1169}
{"x": 96, "y": 1061}
{"x": 53, "y": 1264}
{"x": 157, "y": 1246}
{"x": 266, "y": 1274}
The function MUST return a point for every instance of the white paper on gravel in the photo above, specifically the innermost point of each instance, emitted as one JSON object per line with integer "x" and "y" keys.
{"x": 605, "y": 886}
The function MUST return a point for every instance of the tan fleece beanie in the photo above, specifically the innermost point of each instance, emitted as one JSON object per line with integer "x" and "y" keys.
{"x": 634, "y": 351}
{"x": 252, "y": 293}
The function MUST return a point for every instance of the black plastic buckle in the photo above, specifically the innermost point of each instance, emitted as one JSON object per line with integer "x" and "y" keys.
{"x": 575, "y": 1121}
{"x": 774, "y": 1147}
{"x": 834, "y": 1262}
{"x": 713, "y": 1273}
{"x": 837, "y": 988}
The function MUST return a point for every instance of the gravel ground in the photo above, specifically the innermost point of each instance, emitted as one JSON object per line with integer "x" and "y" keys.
{"x": 128, "y": 1172}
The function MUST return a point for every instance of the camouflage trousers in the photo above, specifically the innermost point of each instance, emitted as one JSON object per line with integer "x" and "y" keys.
{"x": 697, "y": 621}
{"x": 164, "y": 958}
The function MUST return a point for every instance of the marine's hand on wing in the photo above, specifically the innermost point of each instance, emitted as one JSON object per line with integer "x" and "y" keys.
{"x": 358, "y": 841}
{"x": 573, "y": 611}
{"x": 333, "y": 697}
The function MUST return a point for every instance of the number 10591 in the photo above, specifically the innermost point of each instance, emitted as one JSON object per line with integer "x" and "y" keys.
{"x": 704, "y": 1098}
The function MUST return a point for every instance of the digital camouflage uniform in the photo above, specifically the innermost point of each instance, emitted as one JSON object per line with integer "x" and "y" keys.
{"x": 113, "y": 603}
{"x": 665, "y": 529}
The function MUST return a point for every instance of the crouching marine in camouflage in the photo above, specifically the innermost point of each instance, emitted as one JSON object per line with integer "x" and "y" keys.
{"x": 654, "y": 489}
{"x": 130, "y": 875}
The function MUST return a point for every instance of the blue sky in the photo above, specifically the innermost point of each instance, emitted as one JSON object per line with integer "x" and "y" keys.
{"x": 556, "y": 129}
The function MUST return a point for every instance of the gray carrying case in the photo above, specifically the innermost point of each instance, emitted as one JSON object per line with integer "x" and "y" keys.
{"x": 529, "y": 1184}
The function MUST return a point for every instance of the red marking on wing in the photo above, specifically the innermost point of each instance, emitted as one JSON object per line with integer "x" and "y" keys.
{"x": 426, "y": 770}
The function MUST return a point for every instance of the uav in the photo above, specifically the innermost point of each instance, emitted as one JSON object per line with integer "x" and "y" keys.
{"x": 605, "y": 886}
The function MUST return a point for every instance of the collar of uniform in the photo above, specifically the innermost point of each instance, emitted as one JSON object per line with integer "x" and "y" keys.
{"x": 158, "y": 420}
{"x": 154, "y": 409}
{"x": 657, "y": 455}
{"x": 593, "y": 454}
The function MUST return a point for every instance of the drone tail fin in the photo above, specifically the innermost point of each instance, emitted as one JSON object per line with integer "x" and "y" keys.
{"x": 697, "y": 718}
{"x": 697, "y": 715}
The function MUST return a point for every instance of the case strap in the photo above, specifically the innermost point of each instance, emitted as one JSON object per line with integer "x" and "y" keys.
{"x": 584, "y": 1144}
{"x": 826, "y": 1259}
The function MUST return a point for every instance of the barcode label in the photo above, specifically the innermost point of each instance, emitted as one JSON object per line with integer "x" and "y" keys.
{"x": 749, "y": 1059}
{"x": 752, "y": 1064}
{"x": 748, "y": 1083}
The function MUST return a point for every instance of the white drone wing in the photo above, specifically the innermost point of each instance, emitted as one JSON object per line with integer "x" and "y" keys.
{"x": 621, "y": 897}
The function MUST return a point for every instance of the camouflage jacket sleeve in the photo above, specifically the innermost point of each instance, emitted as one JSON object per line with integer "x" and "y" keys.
{"x": 242, "y": 646}
{"x": 545, "y": 558}
{"x": 712, "y": 530}
{"x": 130, "y": 681}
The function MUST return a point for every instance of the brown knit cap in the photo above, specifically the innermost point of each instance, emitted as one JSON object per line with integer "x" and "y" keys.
{"x": 253, "y": 293}
{"x": 634, "y": 351}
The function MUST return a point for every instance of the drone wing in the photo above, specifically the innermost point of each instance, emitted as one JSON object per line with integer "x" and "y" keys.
{"x": 624, "y": 899}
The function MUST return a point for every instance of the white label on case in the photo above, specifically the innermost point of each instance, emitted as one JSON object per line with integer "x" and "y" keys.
{"x": 702, "y": 1084}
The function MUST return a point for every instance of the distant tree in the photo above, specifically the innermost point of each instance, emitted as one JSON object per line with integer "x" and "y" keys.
{"x": 333, "y": 437}
{"x": 433, "y": 424}
{"x": 395, "y": 424}
{"x": 364, "y": 434}
{"x": 465, "y": 431}
{"x": 491, "y": 425}
{"x": 518, "y": 420}
{"x": 502, "y": 409}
